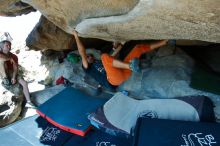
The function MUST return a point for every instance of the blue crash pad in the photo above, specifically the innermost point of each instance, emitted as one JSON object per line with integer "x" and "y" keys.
{"x": 36, "y": 131}
{"x": 54, "y": 136}
{"x": 69, "y": 110}
{"x": 157, "y": 132}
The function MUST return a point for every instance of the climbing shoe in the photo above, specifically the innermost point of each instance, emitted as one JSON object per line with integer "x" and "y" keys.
{"x": 135, "y": 65}
{"x": 30, "y": 105}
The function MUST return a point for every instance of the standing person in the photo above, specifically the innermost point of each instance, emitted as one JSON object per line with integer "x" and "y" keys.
{"x": 9, "y": 70}
{"x": 110, "y": 72}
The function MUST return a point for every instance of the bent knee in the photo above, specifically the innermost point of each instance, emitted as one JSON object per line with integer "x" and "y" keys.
{"x": 22, "y": 82}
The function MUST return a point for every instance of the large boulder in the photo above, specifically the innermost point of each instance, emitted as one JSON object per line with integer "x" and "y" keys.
{"x": 14, "y": 8}
{"x": 47, "y": 36}
{"x": 10, "y": 104}
{"x": 67, "y": 14}
{"x": 135, "y": 20}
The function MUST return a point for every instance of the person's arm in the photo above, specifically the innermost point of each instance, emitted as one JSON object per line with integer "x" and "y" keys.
{"x": 158, "y": 44}
{"x": 117, "y": 49}
{"x": 15, "y": 71}
{"x": 81, "y": 49}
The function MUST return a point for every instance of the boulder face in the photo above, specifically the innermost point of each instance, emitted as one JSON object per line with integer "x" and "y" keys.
{"x": 46, "y": 35}
{"x": 10, "y": 104}
{"x": 67, "y": 14}
{"x": 14, "y": 8}
{"x": 135, "y": 20}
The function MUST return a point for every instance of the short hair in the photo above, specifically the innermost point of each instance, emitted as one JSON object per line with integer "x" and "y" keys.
{"x": 6, "y": 41}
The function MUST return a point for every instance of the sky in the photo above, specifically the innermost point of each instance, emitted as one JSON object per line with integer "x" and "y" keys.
{"x": 19, "y": 27}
